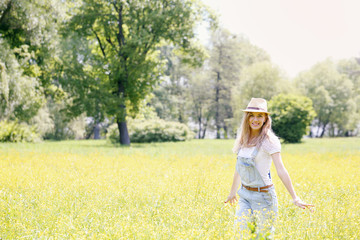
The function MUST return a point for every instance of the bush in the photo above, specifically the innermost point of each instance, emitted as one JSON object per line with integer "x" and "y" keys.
{"x": 291, "y": 116}
{"x": 17, "y": 132}
{"x": 62, "y": 127}
{"x": 154, "y": 130}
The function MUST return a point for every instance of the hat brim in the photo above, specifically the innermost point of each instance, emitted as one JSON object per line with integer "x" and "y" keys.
{"x": 253, "y": 110}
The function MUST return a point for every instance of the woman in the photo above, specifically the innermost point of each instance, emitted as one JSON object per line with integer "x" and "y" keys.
{"x": 256, "y": 146}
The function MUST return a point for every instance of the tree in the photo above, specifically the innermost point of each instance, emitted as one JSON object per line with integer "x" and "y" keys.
{"x": 351, "y": 68}
{"x": 291, "y": 115}
{"x": 228, "y": 55}
{"x": 331, "y": 93}
{"x": 199, "y": 99}
{"x": 123, "y": 37}
{"x": 224, "y": 67}
{"x": 260, "y": 79}
{"x": 28, "y": 40}
{"x": 20, "y": 97}
{"x": 170, "y": 94}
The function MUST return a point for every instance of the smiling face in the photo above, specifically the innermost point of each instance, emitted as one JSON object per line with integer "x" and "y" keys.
{"x": 256, "y": 121}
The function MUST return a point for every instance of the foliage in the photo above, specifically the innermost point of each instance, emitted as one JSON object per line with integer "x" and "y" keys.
{"x": 199, "y": 100}
{"x": 28, "y": 41}
{"x": 93, "y": 190}
{"x": 64, "y": 127}
{"x": 169, "y": 96}
{"x": 332, "y": 96}
{"x": 43, "y": 121}
{"x": 17, "y": 132}
{"x": 292, "y": 116}
{"x": 261, "y": 79}
{"x": 154, "y": 130}
{"x": 351, "y": 68}
{"x": 146, "y": 110}
{"x": 20, "y": 94}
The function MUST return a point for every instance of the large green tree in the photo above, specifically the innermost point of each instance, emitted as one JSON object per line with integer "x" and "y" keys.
{"x": 124, "y": 37}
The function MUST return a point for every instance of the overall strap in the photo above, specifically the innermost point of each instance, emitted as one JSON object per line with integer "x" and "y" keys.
{"x": 255, "y": 152}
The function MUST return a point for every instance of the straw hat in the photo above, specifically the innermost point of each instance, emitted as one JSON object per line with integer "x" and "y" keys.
{"x": 257, "y": 105}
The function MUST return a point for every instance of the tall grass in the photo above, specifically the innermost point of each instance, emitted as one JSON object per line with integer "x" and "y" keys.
{"x": 93, "y": 190}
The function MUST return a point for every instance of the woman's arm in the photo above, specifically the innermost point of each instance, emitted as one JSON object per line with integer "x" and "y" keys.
{"x": 285, "y": 178}
{"x": 232, "y": 196}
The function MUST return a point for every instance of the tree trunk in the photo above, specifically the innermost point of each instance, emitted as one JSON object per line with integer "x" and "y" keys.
{"x": 323, "y": 130}
{"x": 88, "y": 136}
{"x": 121, "y": 81}
{"x": 204, "y": 132}
{"x": 318, "y": 129}
{"x": 123, "y": 132}
{"x": 97, "y": 131}
{"x": 199, "y": 135}
{"x": 204, "y": 129}
{"x": 217, "y": 114}
{"x": 181, "y": 120}
{"x": 225, "y": 132}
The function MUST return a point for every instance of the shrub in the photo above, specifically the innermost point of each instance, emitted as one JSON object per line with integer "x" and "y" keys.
{"x": 291, "y": 116}
{"x": 17, "y": 132}
{"x": 63, "y": 127}
{"x": 154, "y": 130}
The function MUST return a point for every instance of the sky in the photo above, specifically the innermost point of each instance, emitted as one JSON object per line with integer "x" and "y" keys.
{"x": 295, "y": 33}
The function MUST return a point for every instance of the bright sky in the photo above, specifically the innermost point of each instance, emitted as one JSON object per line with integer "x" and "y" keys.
{"x": 296, "y": 33}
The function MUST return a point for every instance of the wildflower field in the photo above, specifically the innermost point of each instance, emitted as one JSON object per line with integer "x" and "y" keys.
{"x": 94, "y": 190}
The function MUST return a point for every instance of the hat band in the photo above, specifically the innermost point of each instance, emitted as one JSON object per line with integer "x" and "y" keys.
{"x": 256, "y": 108}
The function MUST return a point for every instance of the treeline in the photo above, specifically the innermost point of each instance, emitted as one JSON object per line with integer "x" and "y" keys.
{"x": 71, "y": 69}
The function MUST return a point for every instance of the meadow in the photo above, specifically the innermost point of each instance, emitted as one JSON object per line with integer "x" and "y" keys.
{"x": 94, "y": 190}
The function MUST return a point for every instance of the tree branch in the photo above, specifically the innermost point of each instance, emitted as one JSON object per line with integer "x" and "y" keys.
{"x": 116, "y": 8}
{"x": 8, "y": 7}
{"x": 108, "y": 39}
{"x": 120, "y": 35}
{"x": 101, "y": 45}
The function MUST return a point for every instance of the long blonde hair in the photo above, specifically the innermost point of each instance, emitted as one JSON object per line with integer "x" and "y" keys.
{"x": 243, "y": 134}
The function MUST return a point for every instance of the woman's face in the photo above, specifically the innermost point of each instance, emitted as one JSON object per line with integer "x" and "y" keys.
{"x": 256, "y": 120}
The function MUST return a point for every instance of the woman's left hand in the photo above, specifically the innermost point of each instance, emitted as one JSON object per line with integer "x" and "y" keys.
{"x": 298, "y": 202}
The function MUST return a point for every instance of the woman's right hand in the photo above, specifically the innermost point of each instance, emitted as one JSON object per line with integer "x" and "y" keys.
{"x": 298, "y": 202}
{"x": 232, "y": 199}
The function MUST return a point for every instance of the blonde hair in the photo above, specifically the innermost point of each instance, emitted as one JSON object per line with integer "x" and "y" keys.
{"x": 243, "y": 134}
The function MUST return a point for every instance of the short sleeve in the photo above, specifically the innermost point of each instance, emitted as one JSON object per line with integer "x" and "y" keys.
{"x": 271, "y": 145}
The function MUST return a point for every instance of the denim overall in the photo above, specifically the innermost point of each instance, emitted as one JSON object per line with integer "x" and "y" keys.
{"x": 251, "y": 203}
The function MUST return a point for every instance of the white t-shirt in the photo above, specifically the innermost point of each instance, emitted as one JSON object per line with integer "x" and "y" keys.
{"x": 263, "y": 158}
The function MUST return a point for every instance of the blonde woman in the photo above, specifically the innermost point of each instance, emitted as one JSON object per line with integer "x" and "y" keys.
{"x": 256, "y": 146}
